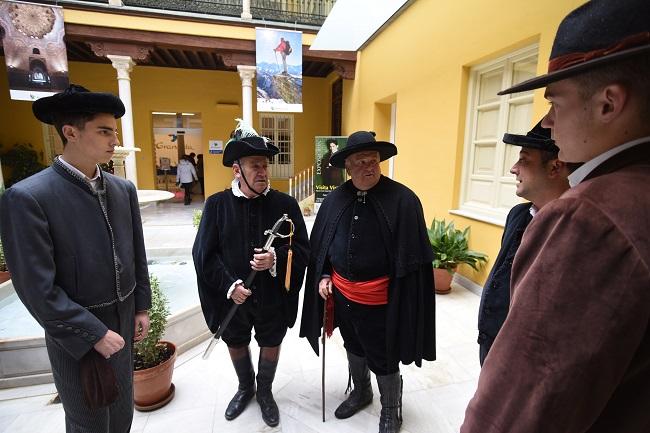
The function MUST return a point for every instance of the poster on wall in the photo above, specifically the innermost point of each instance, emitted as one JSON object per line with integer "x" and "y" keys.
{"x": 279, "y": 70}
{"x": 326, "y": 177}
{"x": 34, "y": 50}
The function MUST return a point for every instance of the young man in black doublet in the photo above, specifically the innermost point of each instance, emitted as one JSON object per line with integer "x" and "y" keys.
{"x": 228, "y": 246}
{"x": 371, "y": 252}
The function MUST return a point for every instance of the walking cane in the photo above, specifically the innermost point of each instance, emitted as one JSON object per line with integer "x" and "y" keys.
{"x": 323, "y": 375}
{"x": 273, "y": 233}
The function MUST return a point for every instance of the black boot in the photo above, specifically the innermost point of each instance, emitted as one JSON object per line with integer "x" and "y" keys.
{"x": 361, "y": 395}
{"x": 390, "y": 390}
{"x": 241, "y": 359}
{"x": 268, "y": 363}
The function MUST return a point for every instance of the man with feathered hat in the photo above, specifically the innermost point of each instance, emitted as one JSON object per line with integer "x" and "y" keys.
{"x": 73, "y": 241}
{"x": 371, "y": 260}
{"x": 574, "y": 352}
{"x": 228, "y": 246}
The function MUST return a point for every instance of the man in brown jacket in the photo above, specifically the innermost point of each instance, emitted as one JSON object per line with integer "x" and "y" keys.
{"x": 574, "y": 353}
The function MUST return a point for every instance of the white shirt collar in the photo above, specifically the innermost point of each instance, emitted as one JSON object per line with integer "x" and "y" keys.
{"x": 533, "y": 210}
{"x": 583, "y": 171}
{"x": 237, "y": 191}
{"x": 92, "y": 181}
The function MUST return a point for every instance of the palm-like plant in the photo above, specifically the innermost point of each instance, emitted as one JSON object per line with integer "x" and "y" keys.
{"x": 450, "y": 247}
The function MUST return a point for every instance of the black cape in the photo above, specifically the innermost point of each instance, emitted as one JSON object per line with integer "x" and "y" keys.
{"x": 410, "y": 327}
{"x": 231, "y": 227}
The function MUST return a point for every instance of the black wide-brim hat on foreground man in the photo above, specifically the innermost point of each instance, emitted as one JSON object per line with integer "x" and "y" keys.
{"x": 597, "y": 33}
{"x": 77, "y": 99}
{"x": 246, "y": 142}
{"x": 536, "y": 138}
{"x": 361, "y": 141}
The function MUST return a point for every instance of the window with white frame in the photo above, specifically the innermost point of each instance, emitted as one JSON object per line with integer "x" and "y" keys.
{"x": 488, "y": 188}
{"x": 279, "y": 129}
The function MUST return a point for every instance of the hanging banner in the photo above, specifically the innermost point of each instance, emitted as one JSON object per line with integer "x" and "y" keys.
{"x": 37, "y": 64}
{"x": 326, "y": 177}
{"x": 278, "y": 56}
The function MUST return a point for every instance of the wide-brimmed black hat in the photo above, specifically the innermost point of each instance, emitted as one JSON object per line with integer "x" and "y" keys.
{"x": 246, "y": 141}
{"x": 361, "y": 141}
{"x": 77, "y": 99}
{"x": 536, "y": 138}
{"x": 597, "y": 33}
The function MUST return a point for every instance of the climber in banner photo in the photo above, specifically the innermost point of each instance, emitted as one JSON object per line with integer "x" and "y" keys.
{"x": 279, "y": 70}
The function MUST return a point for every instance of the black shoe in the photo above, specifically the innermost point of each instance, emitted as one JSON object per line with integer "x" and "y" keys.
{"x": 361, "y": 395}
{"x": 270, "y": 411}
{"x": 239, "y": 403}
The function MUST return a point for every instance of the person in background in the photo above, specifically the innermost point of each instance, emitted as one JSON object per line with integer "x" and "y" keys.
{"x": 185, "y": 177}
{"x": 199, "y": 172}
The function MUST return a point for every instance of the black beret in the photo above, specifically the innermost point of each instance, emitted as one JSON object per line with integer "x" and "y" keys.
{"x": 77, "y": 99}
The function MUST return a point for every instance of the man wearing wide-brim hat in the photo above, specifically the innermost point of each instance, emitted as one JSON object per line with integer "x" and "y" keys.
{"x": 574, "y": 352}
{"x": 73, "y": 242}
{"x": 541, "y": 178}
{"x": 228, "y": 246}
{"x": 371, "y": 260}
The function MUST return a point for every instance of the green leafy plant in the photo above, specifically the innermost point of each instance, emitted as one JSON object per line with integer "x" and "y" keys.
{"x": 23, "y": 161}
{"x": 196, "y": 218}
{"x": 450, "y": 247}
{"x": 149, "y": 352}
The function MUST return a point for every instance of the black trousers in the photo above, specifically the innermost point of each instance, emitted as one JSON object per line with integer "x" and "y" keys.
{"x": 363, "y": 328}
{"x": 116, "y": 418}
{"x": 188, "y": 192}
{"x": 268, "y": 321}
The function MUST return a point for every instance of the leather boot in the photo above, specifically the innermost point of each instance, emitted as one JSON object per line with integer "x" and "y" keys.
{"x": 268, "y": 363}
{"x": 390, "y": 390}
{"x": 361, "y": 395}
{"x": 241, "y": 360}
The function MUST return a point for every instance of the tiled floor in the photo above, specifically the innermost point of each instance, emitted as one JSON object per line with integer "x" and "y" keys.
{"x": 435, "y": 396}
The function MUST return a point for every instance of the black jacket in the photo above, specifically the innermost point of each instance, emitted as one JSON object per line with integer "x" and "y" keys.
{"x": 71, "y": 252}
{"x": 495, "y": 298}
{"x": 231, "y": 227}
{"x": 410, "y": 327}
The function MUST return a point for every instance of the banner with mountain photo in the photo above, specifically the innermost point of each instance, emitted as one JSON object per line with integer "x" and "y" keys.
{"x": 279, "y": 70}
{"x": 34, "y": 49}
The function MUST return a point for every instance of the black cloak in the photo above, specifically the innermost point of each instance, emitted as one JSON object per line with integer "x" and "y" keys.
{"x": 410, "y": 318}
{"x": 231, "y": 227}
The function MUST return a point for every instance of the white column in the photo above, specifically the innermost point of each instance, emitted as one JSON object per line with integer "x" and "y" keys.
{"x": 246, "y": 10}
{"x": 123, "y": 65}
{"x": 247, "y": 73}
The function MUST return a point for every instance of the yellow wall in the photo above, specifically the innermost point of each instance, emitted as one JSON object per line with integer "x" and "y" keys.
{"x": 134, "y": 22}
{"x": 421, "y": 61}
{"x": 177, "y": 90}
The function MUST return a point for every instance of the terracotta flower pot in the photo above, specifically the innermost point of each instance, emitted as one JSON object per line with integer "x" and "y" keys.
{"x": 4, "y": 276}
{"x": 442, "y": 279}
{"x": 153, "y": 387}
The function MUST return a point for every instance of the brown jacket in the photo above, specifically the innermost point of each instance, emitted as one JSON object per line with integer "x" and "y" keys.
{"x": 574, "y": 352}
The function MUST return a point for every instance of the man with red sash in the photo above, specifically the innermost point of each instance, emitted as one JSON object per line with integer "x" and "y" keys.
{"x": 371, "y": 258}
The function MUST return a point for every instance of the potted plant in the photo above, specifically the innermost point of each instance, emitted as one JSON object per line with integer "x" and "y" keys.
{"x": 153, "y": 358}
{"x": 450, "y": 249}
{"x": 23, "y": 161}
{"x": 4, "y": 272}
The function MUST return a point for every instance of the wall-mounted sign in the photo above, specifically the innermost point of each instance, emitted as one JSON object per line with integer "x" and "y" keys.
{"x": 215, "y": 146}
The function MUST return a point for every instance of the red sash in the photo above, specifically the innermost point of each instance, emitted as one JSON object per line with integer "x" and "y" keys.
{"x": 373, "y": 292}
